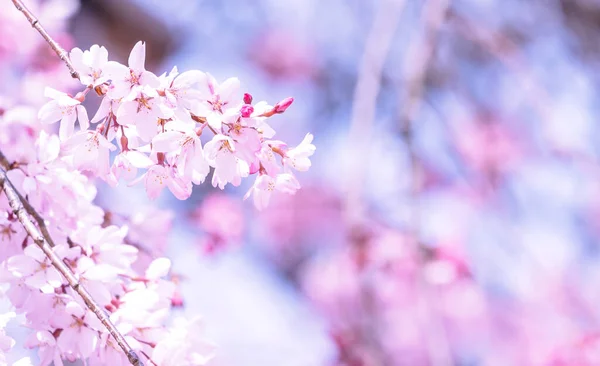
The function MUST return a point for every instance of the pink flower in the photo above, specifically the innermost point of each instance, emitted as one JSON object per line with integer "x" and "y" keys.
{"x": 65, "y": 109}
{"x": 298, "y": 157}
{"x": 221, "y": 218}
{"x": 268, "y": 160}
{"x": 143, "y": 108}
{"x": 126, "y": 79}
{"x": 219, "y": 102}
{"x": 184, "y": 345}
{"x": 159, "y": 177}
{"x": 90, "y": 64}
{"x": 34, "y": 267}
{"x": 190, "y": 161}
{"x": 126, "y": 165}
{"x": 228, "y": 168}
{"x": 180, "y": 92}
{"x": 265, "y": 185}
{"x": 90, "y": 151}
{"x": 48, "y": 352}
{"x": 79, "y": 337}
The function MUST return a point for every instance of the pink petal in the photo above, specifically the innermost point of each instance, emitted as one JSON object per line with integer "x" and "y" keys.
{"x": 139, "y": 160}
{"x": 82, "y": 116}
{"x": 158, "y": 268}
{"x": 50, "y": 112}
{"x": 137, "y": 57}
{"x": 167, "y": 141}
{"x": 67, "y": 126}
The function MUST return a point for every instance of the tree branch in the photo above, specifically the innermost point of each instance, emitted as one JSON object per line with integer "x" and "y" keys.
{"x": 418, "y": 61}
{"x": 60, "y": 52}
{"x": 21, "y": 207}
{"x": 364, "y": 102}
{"x": 42, "y": 241}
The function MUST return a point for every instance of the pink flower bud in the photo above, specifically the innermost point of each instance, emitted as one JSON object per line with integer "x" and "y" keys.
{"x": 247, "y": 110}
{"x": 124, "y": 143}
{"x": 247, "y": 98}
{"x": 283, "y": 105}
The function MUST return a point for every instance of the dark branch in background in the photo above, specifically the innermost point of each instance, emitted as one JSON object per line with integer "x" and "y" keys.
{"x": 60, "y": 52}
{"x": 22, "y": 209}
{"x": 366, "y": 91}
{"x": 418, "y": 61}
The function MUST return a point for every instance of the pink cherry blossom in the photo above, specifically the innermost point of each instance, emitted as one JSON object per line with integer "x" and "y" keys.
{"x": 90, "y": 151}
{"x": 184, "y": 345}
{"x": 298, "y": 157}
{"x": 190, "y": 161}
{"x": 127, "y": 79}
{"x": 35, "y": 269}
{"x": 220, "y": 153}
{"x": 219, "y": 101}
{"x": 158, "y": 177}
{"x": 90, "y": 65}
{"x": 265, "y": 185}
{"x": 79, "y": 337}
{"x": 143, "y": 109}
{"x": 126, "y": 165}
{"x": 65, "y": 109}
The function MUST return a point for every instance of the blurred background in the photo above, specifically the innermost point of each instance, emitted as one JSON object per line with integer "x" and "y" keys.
{"x": 452, "y": 212}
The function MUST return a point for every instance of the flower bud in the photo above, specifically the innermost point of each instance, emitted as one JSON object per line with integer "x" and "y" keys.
{"x": 247, "y": 110}
{"x": 283, "y": 105}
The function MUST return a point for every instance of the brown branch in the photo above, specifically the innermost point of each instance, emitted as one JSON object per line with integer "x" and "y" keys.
{"x": 60, "y": 52}
{"x": 366, "y": 91}
{"x": 42, "y": 241}
{"x": 418, "y": 62}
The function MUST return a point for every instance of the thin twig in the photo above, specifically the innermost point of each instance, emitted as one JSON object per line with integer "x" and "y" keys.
{"x": 41, "y": 240}
{"x": 418, "y": 61}
{"x": 364, "y": 102}
{"x": 368, "y": 85}
{"x": 35, "y": 23}
{"x": 507, "y": 52}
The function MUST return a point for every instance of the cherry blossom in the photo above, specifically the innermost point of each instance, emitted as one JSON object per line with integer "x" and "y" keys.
{"x": 127, "y": 79}
{"x": 35, "y": 269}
{"x": 65, "y": 109}
{"x": 160, "y": 125}
{"x": 265, "y": 185}
{"x": 218, "y": 101}
{"x": 298, "y": 157}
{"x": 184, "y": 345}
{"x": 90, "y": 65}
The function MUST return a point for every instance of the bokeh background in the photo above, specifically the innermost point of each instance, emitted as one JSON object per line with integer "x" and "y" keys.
{"x": 452, "y": 212}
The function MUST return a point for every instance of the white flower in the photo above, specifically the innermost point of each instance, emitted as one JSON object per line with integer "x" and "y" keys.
{"x": 65, "y": 109}
{"x": 90, "y": 65}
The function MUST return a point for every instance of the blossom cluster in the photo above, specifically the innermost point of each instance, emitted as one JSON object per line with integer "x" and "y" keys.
{"x": 157, "y": 123}
{"x": 105, "y": 257}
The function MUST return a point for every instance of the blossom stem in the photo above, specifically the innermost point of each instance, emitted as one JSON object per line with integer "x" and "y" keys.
{"x": 17, "y": 205}
{"x": 35, "y": 23}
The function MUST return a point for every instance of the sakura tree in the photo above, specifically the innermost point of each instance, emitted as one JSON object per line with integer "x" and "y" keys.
{"x": 93, "y": 286}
